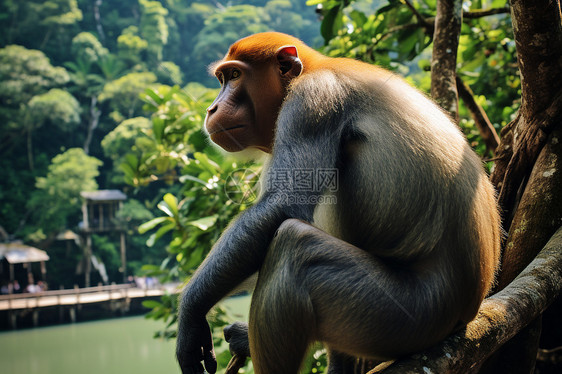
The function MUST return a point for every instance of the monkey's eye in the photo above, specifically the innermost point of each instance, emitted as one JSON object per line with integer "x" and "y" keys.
{"x": 235, "y": 74}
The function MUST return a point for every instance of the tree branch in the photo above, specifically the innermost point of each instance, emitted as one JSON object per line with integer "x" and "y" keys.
{"x": 391, "y": 31}
{"x": 500, "y": 317}
{"x": 481, "y": 120}
{"x": 448, "y": 22}
{"x": 479, "y": 13}
{"x": 422, "y": 21}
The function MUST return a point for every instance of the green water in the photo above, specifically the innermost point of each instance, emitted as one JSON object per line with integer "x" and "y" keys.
{"x": 116, "y": 346}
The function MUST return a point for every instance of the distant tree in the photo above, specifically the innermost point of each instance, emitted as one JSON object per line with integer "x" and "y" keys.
{"x": 123, "y": 94}
{"x": 56, "y": 203}
{"x": 56, "y": 107}
{"x": 131, "y": 46}
{"x": 93, "y": 67}
{"x": 87, "y": 47}
{"x": 132, "y": 137}
{"x": 24, "y": 74}
{"x": 153, "y": 28}
{"x": 40, "y": 24}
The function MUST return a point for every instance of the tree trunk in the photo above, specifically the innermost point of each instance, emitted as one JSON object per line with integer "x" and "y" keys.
{"x": 448, "y": 22}
{"x": 481, "y": 120}
{"x": 97, "y": 17}
{"x": 538, "y": 34}
{"x": 93, "y": 123}
{"x": 528, "y": 173}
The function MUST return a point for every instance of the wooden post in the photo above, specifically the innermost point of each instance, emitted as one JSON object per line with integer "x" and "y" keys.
{"x": 88, "y": 255}
{"x": 43, "y": 271}
{"x": 30, "y": 279}
{"x": 123, "y": 257}
{"x": 77, "y": 294}
{"x": 85, "y": 214}
{"x": 61, "y": 308}
{"x": 100, "y": 212}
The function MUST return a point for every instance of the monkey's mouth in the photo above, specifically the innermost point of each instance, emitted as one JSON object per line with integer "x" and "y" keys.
{"x": 231, "y": 139}
{"x": 222, "y": 129}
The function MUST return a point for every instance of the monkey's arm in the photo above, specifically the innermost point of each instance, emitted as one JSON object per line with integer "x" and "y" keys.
{"x": 236, "y": 256}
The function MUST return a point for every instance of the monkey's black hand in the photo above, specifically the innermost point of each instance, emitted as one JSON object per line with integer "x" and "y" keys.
{"x": 237, "y": 336}
{"x": 195, "y": 344}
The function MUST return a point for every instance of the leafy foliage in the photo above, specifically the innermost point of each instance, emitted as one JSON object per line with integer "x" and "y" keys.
{"x": 122, "y": 94}
{"x": 153, "y": 27}
{"x": 58, "y": 194}
{"x": 87, "y": 47}
{"x": 25, "y": 73}
{"x": 111, "y": 52}
{"x": 57, "y": 106}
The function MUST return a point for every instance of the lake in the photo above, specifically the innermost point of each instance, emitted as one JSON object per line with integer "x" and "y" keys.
{"x": 115, "y": 346}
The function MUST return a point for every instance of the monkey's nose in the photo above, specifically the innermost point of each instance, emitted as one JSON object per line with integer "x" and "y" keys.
{"x": 212, "y": 108}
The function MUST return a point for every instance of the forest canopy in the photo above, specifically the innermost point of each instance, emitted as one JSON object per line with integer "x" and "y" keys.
{"x": 77, "y": 74}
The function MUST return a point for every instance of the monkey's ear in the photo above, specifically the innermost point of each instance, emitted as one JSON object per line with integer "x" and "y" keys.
{"x": 290, "y": 64}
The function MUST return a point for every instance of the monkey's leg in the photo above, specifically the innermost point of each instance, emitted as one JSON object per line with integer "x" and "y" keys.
{"x": 281, "y": 323}
{"x": 314, "y": 287}
{"x": 282, "y": 317}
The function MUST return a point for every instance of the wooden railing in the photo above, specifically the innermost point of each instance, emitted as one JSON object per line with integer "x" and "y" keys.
{"x": 77, "y": 296}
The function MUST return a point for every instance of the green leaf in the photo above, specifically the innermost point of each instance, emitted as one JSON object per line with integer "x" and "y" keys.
{"x": 188, "y": 177}
{"x": 195, "y": 258}
{"x": 151, "y": 304}
{"x": 156, "y": 99}
{"x": 172, "y": 203}
{"x": 147, "y": 226}
{"x": 498, "y": 3}
{"x": 158, "y": 126}
{"x": 128, "y": 170}
{"x": 389, "y": 7}
{"x": 329, "y": 25}
{"x": 358, "y": 17}
{"x": 204, "y": 223}
{"x": 150, "y": 268}
{"x": 204, "y": 161}
{"x": 163, "y": 230}
{"x": 132, "y": 161}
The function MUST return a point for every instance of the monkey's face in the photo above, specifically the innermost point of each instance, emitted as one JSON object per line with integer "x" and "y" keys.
{"x": 245, "y": 112}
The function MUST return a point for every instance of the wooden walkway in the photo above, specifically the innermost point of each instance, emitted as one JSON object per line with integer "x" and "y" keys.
{"x": 79, "y": 296}
{"x": 51, "y": 307}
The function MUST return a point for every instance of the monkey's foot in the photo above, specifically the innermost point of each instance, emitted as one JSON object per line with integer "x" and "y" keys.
{"x": 237, "y": 336}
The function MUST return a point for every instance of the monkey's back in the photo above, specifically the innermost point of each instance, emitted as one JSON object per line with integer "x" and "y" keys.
{"x": 421, "y": 191}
